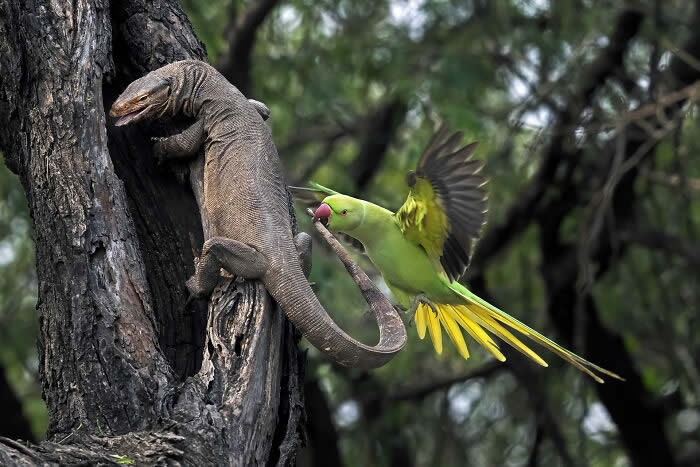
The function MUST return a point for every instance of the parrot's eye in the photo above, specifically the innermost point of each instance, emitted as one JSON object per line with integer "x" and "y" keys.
{"x": 344, "y": 212}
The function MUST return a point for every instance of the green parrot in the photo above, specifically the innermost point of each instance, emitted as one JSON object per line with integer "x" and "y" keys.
{"x": 424, "y": 248}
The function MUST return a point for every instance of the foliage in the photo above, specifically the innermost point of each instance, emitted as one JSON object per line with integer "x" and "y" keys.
{"x": 18, "y": 291}
{"x": 500, "y": 71}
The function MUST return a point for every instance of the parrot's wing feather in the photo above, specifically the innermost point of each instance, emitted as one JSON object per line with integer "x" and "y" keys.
{"x": 311, "y": 195}
{"x": 446, "y": 207}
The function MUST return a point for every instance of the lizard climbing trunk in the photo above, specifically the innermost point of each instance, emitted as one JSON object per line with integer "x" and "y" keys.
{"x": 244, "y": 199}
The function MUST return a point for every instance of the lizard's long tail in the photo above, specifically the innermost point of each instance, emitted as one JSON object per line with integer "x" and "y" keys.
{"x": 294, "y": 295}
{"x": 290, "y": 288}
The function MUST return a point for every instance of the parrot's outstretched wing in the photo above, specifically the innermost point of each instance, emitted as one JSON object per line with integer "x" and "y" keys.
{"x": 446, "y": 206}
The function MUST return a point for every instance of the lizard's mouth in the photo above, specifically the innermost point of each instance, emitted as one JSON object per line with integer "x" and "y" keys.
{"x": 132, "y": 117}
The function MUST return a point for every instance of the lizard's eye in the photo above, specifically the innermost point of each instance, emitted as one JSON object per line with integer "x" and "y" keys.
{"x": 143, "y": 98}
{"x": 344, "y": 212}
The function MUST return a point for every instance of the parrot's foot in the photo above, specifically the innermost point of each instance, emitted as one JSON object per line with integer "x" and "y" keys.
{"x": 421, "y": 299}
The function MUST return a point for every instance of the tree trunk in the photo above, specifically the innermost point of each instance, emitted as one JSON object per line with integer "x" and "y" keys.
{"x": 126, "y": 370}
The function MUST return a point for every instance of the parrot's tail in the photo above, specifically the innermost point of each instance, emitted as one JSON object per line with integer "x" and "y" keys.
{"x": 477, "y": 314}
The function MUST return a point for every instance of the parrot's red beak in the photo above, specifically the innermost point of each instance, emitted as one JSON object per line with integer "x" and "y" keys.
{"x": 323, "y": 212}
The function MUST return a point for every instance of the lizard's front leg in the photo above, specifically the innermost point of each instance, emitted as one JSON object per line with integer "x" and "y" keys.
{"x": 182, "y": 145}
{"x": 235, "y": 257}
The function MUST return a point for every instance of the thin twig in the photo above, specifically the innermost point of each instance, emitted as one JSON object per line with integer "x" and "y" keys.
{"x": 71, "y": 433}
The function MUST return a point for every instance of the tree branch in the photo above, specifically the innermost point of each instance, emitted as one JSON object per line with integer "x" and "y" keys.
{"x": 323, "y": 437}
{"x": 630, "y": 405}
{"x": 14, "y": 423}
{"x": 375, "y": 131}
{"x": 235, "y": 64}
{"x": 660, "y": 240}
{"x": 535, "y": 450}
{"x": 419, "y": 392}
{"x": 379, "y": 130}
{"x": 592, "y": 77}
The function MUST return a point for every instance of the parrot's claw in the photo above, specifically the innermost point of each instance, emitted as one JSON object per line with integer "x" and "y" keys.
{"x": 421, "y": 298}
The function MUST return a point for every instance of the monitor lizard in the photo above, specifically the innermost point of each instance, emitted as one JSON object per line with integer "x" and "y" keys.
{"x": 245, "y": 197}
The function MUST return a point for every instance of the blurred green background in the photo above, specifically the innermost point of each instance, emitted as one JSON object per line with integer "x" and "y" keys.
{"x": 356, "y": 89}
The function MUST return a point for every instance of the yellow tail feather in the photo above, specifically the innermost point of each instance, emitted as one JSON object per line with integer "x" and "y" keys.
{"x": 421, "y": 323}
{"x": 454, "y": 332}
{"x": 476, "y": 315}
{"x": 434, "y": 329}
{"x": 490, "y": 324}
{"x": 487, "y": 315}
{"x": 476, "y": 332}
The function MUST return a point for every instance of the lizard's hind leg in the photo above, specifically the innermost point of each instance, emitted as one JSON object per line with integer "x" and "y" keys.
{"x": 235, "y": 257}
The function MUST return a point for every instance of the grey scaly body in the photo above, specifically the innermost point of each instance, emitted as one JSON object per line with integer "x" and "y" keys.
{"x": 246, "y": 201}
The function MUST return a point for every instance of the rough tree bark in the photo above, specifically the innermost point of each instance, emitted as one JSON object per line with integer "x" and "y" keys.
{"x": 125, "y": 370}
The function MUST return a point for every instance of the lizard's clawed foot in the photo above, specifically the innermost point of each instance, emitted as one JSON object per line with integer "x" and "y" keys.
{"x": 402, "y": 311}
{"x": 158, "y": 149}
{"x": 195, "y": 292}
{"x": 193, "y": 287}
{"x": 420, "y": 298}
{"x": 191, "y": 298}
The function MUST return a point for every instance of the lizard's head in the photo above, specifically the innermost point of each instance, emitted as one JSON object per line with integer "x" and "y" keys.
{"x": 341, "y": 213}
{"x": 145, "y": 98}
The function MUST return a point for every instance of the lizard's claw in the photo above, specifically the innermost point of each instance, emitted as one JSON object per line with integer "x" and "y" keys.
{"x": 193, "y": 288}
{"x": 189, "y": 301}
{"x": 159, "y": 152}
{"x": 195, "y": 292}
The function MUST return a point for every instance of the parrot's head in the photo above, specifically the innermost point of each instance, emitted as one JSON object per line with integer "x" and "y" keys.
{"x": 341, "y": 213}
